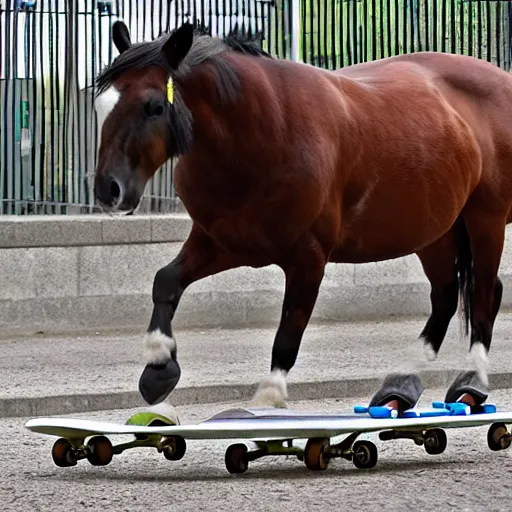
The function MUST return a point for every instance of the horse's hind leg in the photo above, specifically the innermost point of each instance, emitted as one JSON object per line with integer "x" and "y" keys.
{"x": 439, "y": 265}
{"x": 403, "y": 388}
{"x": 199, "y": 257}
{"x": 486, "y": 233}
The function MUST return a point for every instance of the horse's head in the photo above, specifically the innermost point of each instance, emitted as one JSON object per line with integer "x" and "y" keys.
{"x": 145, "y": 120}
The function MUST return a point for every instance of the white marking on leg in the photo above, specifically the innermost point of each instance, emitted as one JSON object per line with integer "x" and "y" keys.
{"x": 272, "y": 391}
{"x": 480, "y": 360}
{"x": 429, "y": 352}
{"x": 463, "y": 337}
{"x": 166, "y": 410}
{"x": 104, "y": 104}
{"x": 416, "y": 354}
{"x": 157, "y": 347}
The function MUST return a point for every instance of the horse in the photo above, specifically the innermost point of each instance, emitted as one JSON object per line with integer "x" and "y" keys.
{"x": 284, "y": 163}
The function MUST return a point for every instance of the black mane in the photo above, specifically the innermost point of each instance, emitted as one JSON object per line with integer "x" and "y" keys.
{"x": 204, "y": 48}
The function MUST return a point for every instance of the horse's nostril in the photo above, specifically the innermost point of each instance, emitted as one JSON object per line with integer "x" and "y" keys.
{"x": 115, "y": 191}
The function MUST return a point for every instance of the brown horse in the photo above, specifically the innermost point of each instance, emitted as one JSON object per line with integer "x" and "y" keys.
{"x": 284, "y": 163}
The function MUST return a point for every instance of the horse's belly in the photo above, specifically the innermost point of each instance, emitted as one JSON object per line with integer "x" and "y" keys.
{"x": 399, "y": 218}
{"x": 409, "y": 187}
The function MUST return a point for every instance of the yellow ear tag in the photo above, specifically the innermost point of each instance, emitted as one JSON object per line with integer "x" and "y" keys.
{"x": 170, "y": 91}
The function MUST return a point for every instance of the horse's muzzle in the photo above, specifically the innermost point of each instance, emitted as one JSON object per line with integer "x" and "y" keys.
{"x": 113, "y": 194}
{"x": 108, "y": 192}
{"x": 157, "y": 381}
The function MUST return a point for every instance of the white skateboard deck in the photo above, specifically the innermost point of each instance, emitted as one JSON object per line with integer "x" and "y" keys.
{"x": 264, "y": 424}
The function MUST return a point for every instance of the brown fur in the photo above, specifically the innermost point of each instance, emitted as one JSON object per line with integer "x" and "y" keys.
{"x": 305, "y": 166}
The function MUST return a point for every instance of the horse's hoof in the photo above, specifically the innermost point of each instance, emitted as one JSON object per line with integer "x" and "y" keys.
{"x": 470, "y": 383}
{"x": 406, "y": 389}
{"x": 271, "y": 392}
{"x": 157, "y": 381}
{"x": 268, "y": 397}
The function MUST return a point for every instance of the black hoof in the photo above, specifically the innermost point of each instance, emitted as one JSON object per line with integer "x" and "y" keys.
{"x": 157, "y": 381}
{"x": 405, "y": 388}
{"x": 467, "y": 383}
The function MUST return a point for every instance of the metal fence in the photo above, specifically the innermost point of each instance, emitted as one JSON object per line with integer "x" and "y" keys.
{"x": 339, "y": 33}
{"x": 52, "y": 50}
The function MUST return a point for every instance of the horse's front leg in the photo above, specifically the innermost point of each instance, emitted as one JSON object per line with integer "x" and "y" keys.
{"x": 199, "y": 257}
{"x": 304, "y": 272}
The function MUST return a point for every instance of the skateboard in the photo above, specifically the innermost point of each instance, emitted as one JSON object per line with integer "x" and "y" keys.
{"x": 272, "y": 431}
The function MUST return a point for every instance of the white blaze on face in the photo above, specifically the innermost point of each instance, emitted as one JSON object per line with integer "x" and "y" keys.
{"x": 104, "y": 104}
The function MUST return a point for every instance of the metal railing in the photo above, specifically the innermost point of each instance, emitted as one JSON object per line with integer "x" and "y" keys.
{"x": 52, "y": 50}
{"x": 339, "y": 33}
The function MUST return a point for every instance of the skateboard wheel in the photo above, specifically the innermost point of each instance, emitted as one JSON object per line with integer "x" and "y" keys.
{"x": 63, "y": 454}
{"x": 99, "y": 451}
{"x": 364, "y": 454}
{"x": 435, "y": 441}
{"x": 382, "y": 411}
{"x": 315, "y": 456}
{"x": 174, "y": 448}
{"x": 498, "y": 437}
{"x": 236, "y": 458}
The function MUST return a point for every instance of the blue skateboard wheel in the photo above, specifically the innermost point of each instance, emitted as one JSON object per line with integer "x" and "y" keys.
{"x": 410, "y": 413}
{"x": 459, "y": 409}
{"x": 425, "y": 413}
{"x": 383, "y": 412}
{"x": 434, "y": 412}
{"x": 360, "y": 409}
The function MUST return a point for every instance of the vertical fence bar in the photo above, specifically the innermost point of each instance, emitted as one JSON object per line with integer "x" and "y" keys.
{"x": 6, "y": 109}
{"x": 382, "y": 50}
{"x": 461, "y": 25}
{"x": 341, "y": 33}
{"x": 470, "y": 27}
{"x": 334, "y": 59}
{"x": 488, "y": 25}
{"x": 355, "y": 32}
{"x": 16, "y": 115}
{"x": 479, "y": 28}
{"x": 328, "y": 33}
{"x": 497, "y": 24}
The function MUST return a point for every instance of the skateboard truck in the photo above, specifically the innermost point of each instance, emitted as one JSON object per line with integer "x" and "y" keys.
{"x": 99, "y": 450}
{"x": 316, "y": 455}
{"x": 434, "y": 440}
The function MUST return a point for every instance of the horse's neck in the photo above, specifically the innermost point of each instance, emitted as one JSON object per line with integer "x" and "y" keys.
{"x": 221, "y": 125}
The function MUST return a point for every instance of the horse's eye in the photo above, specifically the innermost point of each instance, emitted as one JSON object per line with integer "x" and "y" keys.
{"x": 154, "y": 108}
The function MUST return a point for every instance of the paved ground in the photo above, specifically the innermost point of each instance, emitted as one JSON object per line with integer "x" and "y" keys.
{"x": 105, "y": 368}
{"x": 467, "y": 477}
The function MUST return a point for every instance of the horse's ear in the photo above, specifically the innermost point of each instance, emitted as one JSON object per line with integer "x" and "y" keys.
{"x": 121, "y": 36}
{"x": 178, "y": 45}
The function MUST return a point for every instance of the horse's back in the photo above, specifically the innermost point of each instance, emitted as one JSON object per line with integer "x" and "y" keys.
{"x": 440, "y": 128}
{"x": 478, "y": 90}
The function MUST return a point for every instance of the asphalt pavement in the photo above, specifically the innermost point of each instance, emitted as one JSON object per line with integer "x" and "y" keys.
{"x": 466, "y": 477}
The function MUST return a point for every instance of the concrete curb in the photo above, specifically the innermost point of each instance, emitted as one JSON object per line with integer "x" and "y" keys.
{"x": 346, "y": 388}
{"x": 66, "y": 273}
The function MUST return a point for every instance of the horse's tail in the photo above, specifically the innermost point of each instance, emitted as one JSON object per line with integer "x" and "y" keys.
{"x": 464, "y": 266}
